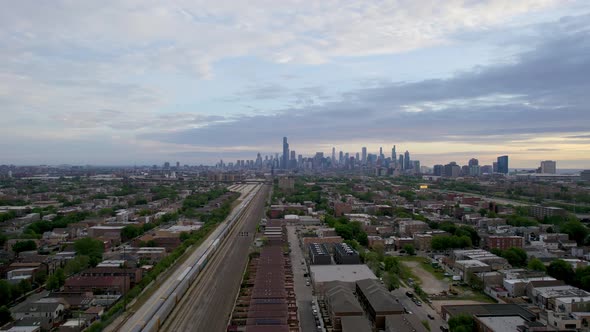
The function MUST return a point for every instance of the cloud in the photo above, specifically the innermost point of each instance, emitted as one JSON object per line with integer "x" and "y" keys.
{"x": 78, "y": 70}
{"x": 543, "y": 92}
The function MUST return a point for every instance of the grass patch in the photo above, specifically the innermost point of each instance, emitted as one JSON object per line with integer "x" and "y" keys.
{"x": 476, "y": 296}
{"x": 425, "y": 263}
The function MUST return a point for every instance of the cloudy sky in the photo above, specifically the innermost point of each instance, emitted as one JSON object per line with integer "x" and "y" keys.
{"x": 143, "y": 82}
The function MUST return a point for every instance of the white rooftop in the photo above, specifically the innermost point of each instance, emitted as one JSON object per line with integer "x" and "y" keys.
{"x": 501, "y": 324}
{"x": 346, "y": 273}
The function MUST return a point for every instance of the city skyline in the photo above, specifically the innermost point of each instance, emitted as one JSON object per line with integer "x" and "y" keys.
{"x": 116, "y": 84}
{"x": 359, "y": 156}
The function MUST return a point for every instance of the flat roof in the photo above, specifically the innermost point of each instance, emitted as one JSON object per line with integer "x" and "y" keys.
{"x": 497, "y": 309}
{"x": 347, "y": 273}
{"x": 471, "y": 263}
{"x": 502, "y": 323}
{"x": 355, "y": 323}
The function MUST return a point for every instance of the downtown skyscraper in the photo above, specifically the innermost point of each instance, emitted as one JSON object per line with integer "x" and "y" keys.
{"x": 285, "y": 160}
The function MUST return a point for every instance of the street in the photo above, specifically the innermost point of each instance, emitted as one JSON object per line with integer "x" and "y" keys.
{"x": 422, "y": 311}
{"x": 303, "y": 293}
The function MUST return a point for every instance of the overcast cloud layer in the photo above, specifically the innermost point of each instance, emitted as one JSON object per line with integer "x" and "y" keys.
{"x": 142, "y": 82}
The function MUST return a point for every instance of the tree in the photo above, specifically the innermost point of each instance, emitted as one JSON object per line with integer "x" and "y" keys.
{"x": 5, "y": 292}
{"x": 90, "y": 247}
{"x": 409, "y": 249}
{"x": 462, "y": 323}
{"x": 52, "y": 282}
{"x": 77, "y": 264}
{"x": 561, "y": 270}
{"x": 24, "y": 246}
{"x": 515, "y": 256}
{"x": 184, "y": 236}
{"x": 535, "y": 264}
{"x": 24, "y": 286}
{"x": 5, "y": 315}
{"x": 576, "y": 231}
{"x": 379, "y": 249}
{"x": 130, "y": 232}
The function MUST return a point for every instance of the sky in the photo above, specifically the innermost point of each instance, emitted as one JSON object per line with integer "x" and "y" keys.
{"x": 144, "y": 82}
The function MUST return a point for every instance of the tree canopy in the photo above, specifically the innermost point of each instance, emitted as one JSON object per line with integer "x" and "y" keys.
{"x": 90, "y": 247}
{"x": 24, "y": 246}
{"x": 462, "y": 323}
{"x": 562, "y": 270}
{"x": 535, "y": 264}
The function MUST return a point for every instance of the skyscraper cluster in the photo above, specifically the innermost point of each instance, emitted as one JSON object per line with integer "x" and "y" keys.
{"x": 373, "y": 163}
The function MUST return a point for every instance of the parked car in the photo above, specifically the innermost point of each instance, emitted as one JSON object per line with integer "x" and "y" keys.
{"x": 444, "y": 329}
{"x": 430, "y": 316}
{"x": 409, "y": 294}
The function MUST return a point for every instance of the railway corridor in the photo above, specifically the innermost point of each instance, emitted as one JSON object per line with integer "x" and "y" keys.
{"x": 142, "y": 315}
{"x": 208, "y": 303}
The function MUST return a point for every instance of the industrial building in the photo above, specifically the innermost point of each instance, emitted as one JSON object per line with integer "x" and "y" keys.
{"x": 341, "y": 303}
{"x": 267, "y": 299}
{"x": 319, "y": 254}
{"x": 377, "y": 301}
{"x": 322, "y": 274}
{"x": 404, "y": 323}
{"x": 344, "y": 254}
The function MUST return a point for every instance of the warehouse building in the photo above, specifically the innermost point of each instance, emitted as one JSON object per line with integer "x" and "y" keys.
{"x": 341, "y": 303}
{"x": 271, "y": 301}
{"x": 319, "y": 254}
{"x": 404, "y": 323}
{"x": 355, "y": 324}
{"x": 344, "y": 254}
{"x": 377, "y": 301}
{"x": 323, "y": 274}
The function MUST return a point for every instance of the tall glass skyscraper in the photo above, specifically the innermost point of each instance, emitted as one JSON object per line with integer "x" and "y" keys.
{"x": 503, "y": 164}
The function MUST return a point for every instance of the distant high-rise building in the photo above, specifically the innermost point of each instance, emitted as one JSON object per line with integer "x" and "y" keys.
{"x": 178, "y": 164}
{"x": 381, "y": 152}
{"x": 357, "y": 156}
{"x": 473, "y": 162}
{"x": 474, "y": 170}
{"x": 438, "y": 170}
{"x": 503, "y": 164}
{"x": 401, "y": 161}
{"x": 333, "y": 155}
{"x": 293, "y": 160}
{"x": 364, "y": 152}
{"x": 452, "y": 170}
{"x": 393, "y": 154}
{"x": 548, "y": 167}
{"x": 341, "y": 158}
{"x": 285, "y": 162}
{"x": 407, "y": 163}
{"x": 166, "y": 165}
{"x": 486, "y": 169}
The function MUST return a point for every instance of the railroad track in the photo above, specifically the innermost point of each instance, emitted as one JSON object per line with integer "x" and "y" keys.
{"x": 208, "y": 303}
